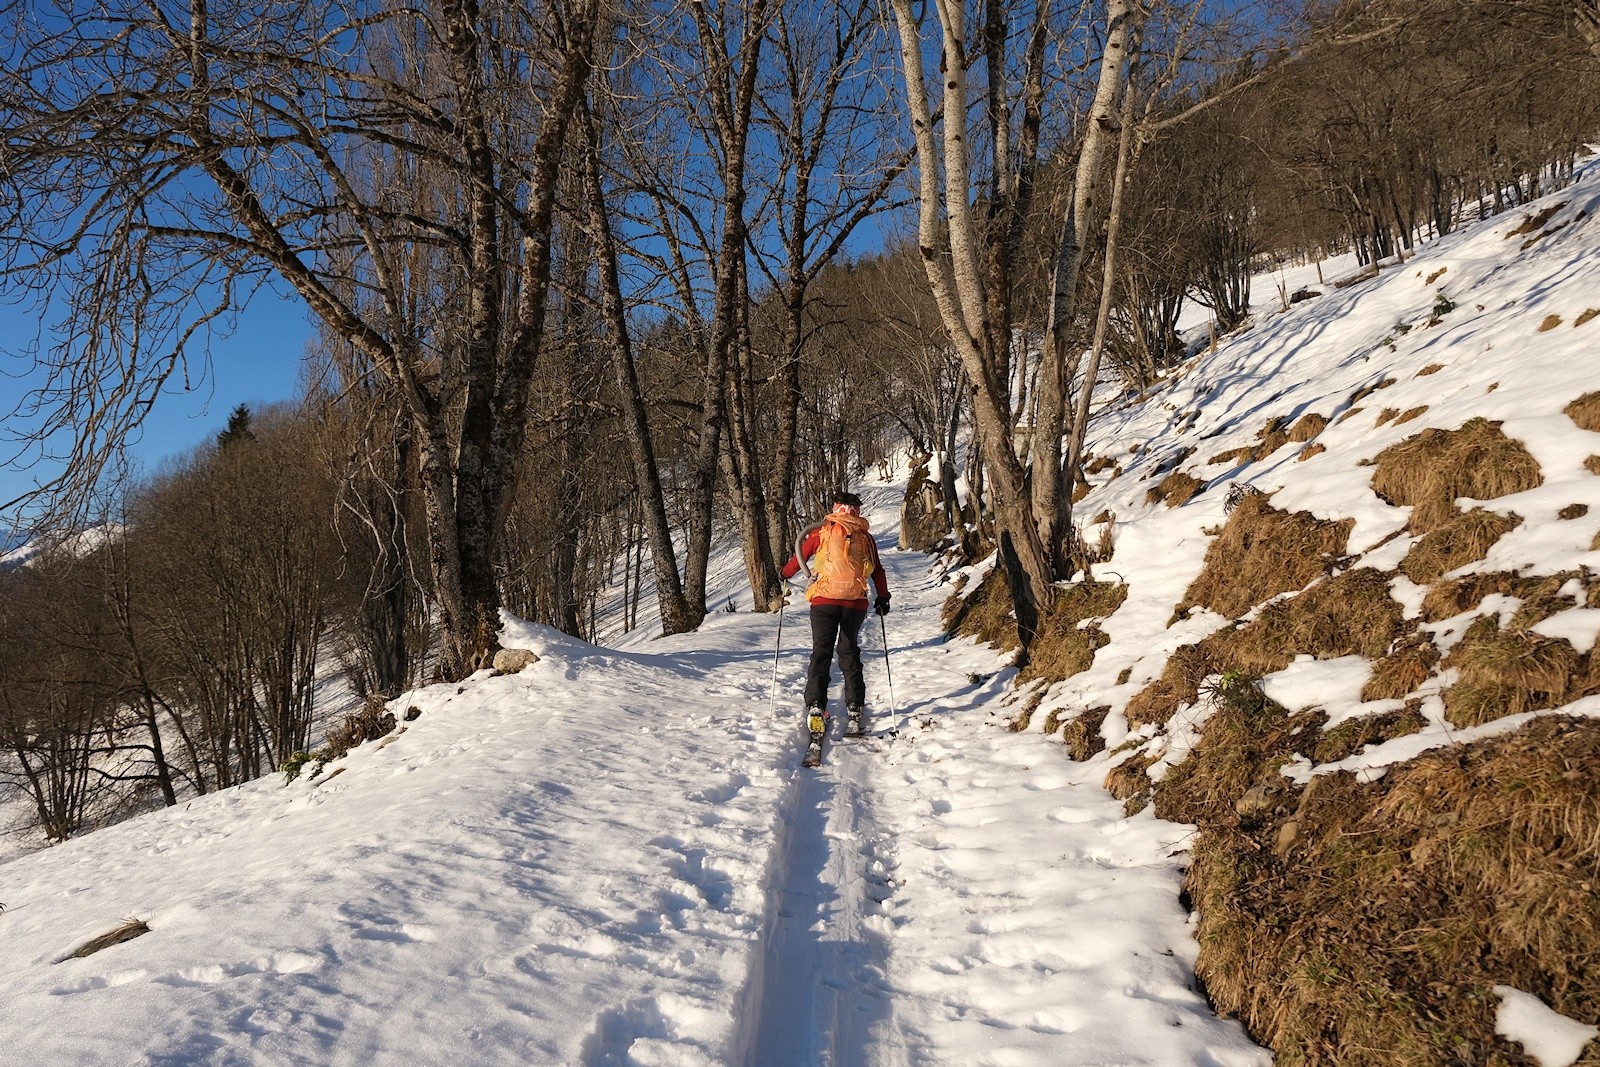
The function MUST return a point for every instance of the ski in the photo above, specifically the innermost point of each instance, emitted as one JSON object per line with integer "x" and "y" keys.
{"x": 817, "y": 723}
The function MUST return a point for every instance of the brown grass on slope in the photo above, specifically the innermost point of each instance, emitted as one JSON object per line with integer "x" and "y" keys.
{"x": 1262, "y": 552}
{"x": 1429, "y": 471}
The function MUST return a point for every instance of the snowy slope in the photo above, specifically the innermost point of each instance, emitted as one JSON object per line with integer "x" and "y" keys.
{"x": 1515, "y": 348}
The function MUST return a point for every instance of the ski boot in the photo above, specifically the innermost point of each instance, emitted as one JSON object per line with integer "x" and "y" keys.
{"x": 817, "y": 724}
{"x": 854, "y": 727}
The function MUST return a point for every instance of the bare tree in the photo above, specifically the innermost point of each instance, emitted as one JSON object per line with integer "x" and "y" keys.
{"x": 343, "y": 152}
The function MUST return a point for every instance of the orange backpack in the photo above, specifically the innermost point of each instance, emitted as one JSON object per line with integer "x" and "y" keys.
{"x": 843, "y": 561}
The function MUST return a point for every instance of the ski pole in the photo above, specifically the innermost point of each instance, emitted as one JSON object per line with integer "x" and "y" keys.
{"x": 894, "y": 715}
{"x": 772, "y": 690}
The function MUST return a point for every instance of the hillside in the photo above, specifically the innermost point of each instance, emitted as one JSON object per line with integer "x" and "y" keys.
{"x": 612, "y": 857}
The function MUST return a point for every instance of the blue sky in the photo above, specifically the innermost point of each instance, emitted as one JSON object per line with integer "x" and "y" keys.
{"x": 259, "y": 362}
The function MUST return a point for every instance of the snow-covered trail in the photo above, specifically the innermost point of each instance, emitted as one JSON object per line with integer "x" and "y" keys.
{"x": 961, "y": 894}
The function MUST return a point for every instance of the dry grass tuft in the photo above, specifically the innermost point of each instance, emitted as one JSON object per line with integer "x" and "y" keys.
{"x": 1175, "y": 490}
{"x": 1459, "y": 541}
{"x": 1350, "y": 737}
{"x": 1129, "y": 782}
{"x": 1313, "y": 449}
{"x": 1435, "y": 276}
{"x": 1273, "y": 436}
{"x": 1179, "y": 684}
{"x": 1432, "y": 368}
{"x": 1410, "y": 414}
{"x": 1550, "y": 322}
{"x": 1534, "y": 223}
{"x": 1082, "y": 735}
{"x": 1592, "y": 464}
{"x": 1587, "y": 316}
{"x": 1507, "y": 672}
{"x": 985, "y": 613}
{"x": 1234, "y": 455}
{"x": 1069, "y": 633}
{"x": 1262, "y": 552}
{"x": 1368, "y": 924}
{"x": 1402, "y": 669}
{"x": 1307, "y": 427}
{"x": 1348, "y": 615}
{"x": 129, "y": 930}
{"x": 1585, "y": 411}
{"x": 1573, "y": 511}
{"x": 1428, "y": 471}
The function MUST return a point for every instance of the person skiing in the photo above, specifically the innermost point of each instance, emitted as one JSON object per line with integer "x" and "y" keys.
{"x": 845, "y": 558}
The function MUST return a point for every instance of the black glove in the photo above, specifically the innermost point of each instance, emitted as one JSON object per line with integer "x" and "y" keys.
{"x": 882, "y": 606}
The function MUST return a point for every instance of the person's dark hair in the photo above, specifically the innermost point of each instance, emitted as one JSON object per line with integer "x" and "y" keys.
{"x": 842, "y": 497}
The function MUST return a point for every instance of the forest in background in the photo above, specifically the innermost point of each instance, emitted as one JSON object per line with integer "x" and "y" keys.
{"x": 596, "y": 284}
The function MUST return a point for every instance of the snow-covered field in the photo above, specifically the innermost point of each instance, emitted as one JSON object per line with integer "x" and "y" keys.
{"x": 614, "y": 857}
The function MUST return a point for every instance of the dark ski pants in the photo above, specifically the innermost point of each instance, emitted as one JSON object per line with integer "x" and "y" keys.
{"x": 834, "y": 626}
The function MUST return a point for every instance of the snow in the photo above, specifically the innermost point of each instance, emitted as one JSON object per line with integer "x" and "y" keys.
{"x": 613, "y": 857}
{"x": 1552, "y": 1039}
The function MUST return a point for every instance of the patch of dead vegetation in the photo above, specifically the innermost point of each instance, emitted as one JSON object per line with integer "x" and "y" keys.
{"x": 1541, "y": 596}
{"x": 1592, "y": 464}
{"x": 1435, "y": 276}
{"x": 1398, "y": 673}
{"x": 1262, "y": 552}
{"x": 1273, "y": 436}
{"x": 1129, "y": 782}
{"x": 1585, "y": 411}
{"x": 1588, "y": 316}
{"x": 1352, "y": 413}
{"x": 1313, "y": 449}
{"x": 1353, "y": 735}
{"x": 1069, "y": 632}
{"x": 1096, "y": 464}
{"x": 1082, "y": 734}
{"x": 1384, "y": 416}
{"x": 1534, "y": 223}
{"x": 1573, "y": 511}
{"x": 1432, "y": 368}
{"x": 1428, "y": 471}
{"x": 984, "y": 614}
{"x": 1510, "y": 671}
{"x": 1550, "y": 322}
{"x": 1352, "y": 917}
{"x": 1457, "y": 542}
{"x": 1351, "y": 614}
{"x": 1175, "y": 490}
{"x": 1411, "y": 413}
{"x": 1307, "y": 427}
